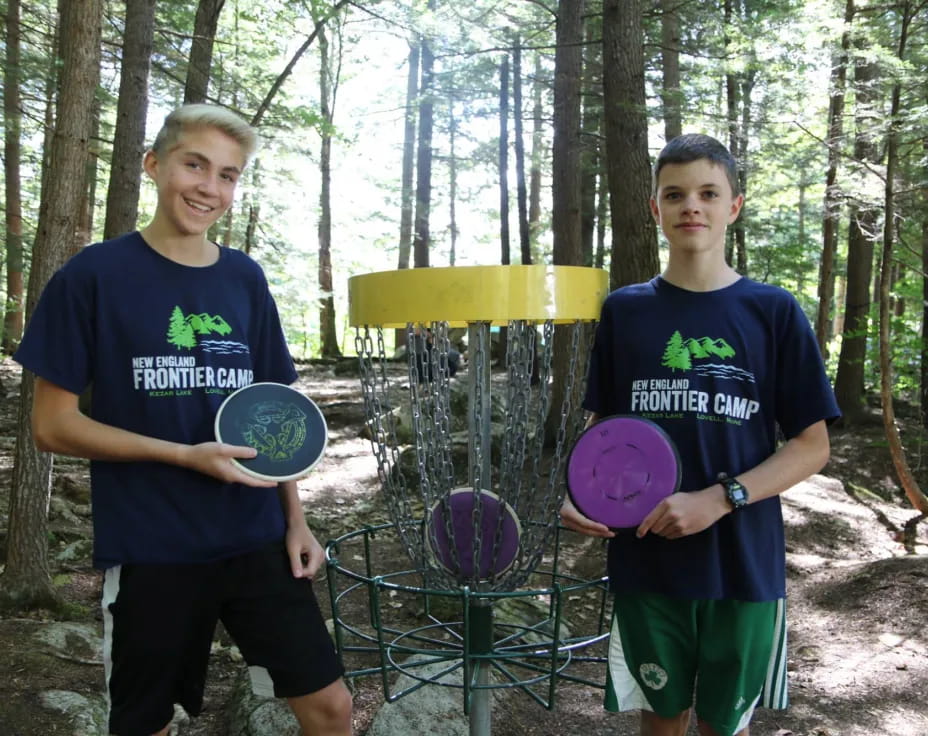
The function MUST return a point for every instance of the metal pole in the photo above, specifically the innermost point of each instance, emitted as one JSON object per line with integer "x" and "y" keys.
{"x": 481, "y": 638}
{"x": 481, "y": 611}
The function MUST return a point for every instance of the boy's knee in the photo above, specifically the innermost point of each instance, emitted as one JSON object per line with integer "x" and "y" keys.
{"x": 327, "y": 711}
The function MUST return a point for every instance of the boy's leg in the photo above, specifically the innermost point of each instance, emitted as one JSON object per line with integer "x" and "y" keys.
{"x": 652, "y": 661}
{"x": 736, "y": 641}
{"x": 158, "y": 624}
{"x": 275, "y": 620}
{"x": 326, "y": 712}
{"x": 654, "y": 725}
{"x": 706, "y": 730}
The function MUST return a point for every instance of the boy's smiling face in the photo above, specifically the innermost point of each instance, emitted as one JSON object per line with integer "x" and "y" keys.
{"x": 694, "y": 205}
{"x": 196, "y": 179}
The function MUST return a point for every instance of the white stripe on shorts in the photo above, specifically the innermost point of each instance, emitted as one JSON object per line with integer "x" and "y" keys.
{"x": 110, "y": 591}
{"x": 775, "y": 694}
{"x": 625, "y": 688}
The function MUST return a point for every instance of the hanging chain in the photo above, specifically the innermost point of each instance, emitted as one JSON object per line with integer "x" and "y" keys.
{"x": 530, "y": 479}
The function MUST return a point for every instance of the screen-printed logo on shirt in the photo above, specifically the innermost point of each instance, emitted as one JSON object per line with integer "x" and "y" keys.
{"x": 684, "y": 354}
{"x": 698, "y": 358}
{"x": 179, "y": 374}
{"x": 191, "y": 330}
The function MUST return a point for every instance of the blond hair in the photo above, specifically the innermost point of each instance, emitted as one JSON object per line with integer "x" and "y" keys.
{"x": 205, "y": 116}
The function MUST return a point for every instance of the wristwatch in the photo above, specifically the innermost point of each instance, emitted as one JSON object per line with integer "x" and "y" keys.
{"x": 736, "y": 493}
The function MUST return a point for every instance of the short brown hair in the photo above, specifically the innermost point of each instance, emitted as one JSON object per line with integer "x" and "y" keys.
{"x": 692, "y": 147}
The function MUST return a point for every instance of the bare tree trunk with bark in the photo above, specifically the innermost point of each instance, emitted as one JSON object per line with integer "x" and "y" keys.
{"x": 13, "y": 309}
{"x": 826, "y": 275}
{"x": 201, "y": 50}
{"x": 26, "y": 582}
{"x": 503, "y": 161}
{"x": 862, "y": 231}
{"x": 906, "y": 478}
{"x": 670, "y": 69}
{"x": 328, "y": 84}
{"x": 634, "y": 235}
{"x": 421, "y": 236}
{"x": 122, "y": 194}
{"x": 525, "y": 241}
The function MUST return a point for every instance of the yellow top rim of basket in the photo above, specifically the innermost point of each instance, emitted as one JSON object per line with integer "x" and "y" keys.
{"x": 460, "y": 295}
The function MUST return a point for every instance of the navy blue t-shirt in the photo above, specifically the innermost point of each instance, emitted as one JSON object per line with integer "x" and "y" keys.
{"x": 720, "y": 372}
{"x": 162, "y": 345}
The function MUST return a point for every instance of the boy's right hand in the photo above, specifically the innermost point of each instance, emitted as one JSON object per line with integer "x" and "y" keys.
{"x": 576, "y": 521}
{"x": 215, "y": 459}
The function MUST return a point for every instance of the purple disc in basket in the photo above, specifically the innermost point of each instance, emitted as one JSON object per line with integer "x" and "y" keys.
{"x": 620, "y": 469}
{"x": 499, "y": 532}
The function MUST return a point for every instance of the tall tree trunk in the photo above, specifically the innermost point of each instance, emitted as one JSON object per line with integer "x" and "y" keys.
{"x": 503, "y": 160}
{"x": 122, "y": 193}
{"x": 26, "y": 580}
{"x": 739, "y": 226}
{"x": 602, "y": 213}
{"x": 525, "y": 242}
{"x": 409, "y": 151}
{"x": 731, "y": 112}
{"x": 634, "y": 236}
{"x": 591, "y": 127}
{"x": 51, "y": 95}
{"x": 671, "y": 95}
{"x": 565, "y": 211}
{"x": 906, "y": 479}
{"x": 201, "y": 50}
{"x": 83, "y": 233}
{"x": 534, "y": 187}
{"x": 924, "y": 350}
{"x": 327, "y": 88}
{"x": 826, "y": 275}
{"x": 452, "y": 180}
{"x": 738, "y": 88}
{"x": 13, "y": 309}
{"x": 862, "y": 231}
{"x": 568, "y": 63}
{"x": 421, "y": 238}
{"x": 408, "y": 167}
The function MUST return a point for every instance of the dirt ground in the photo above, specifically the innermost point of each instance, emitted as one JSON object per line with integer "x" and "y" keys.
{"x": 858, "y": 656}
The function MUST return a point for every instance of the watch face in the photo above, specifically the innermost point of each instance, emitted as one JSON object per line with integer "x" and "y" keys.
{"x": 737, "y": 493}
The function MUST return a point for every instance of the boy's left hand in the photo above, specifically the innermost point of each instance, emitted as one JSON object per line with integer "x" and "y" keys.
{"x": 306, "y": 554}
{"x": 682, "y": 514}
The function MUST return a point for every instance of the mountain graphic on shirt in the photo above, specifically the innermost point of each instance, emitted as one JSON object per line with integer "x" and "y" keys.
{"x": 680, "y": 352}
{"x": 185, "y": 330}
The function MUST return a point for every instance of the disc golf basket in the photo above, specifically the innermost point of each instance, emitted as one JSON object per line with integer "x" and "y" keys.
{"x": 472, "y": 470}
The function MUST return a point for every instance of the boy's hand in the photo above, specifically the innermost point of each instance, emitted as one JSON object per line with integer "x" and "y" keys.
{"x": 573, "y": 519}
{"x": 215, "y": 459}
{"x": 306, "y": 554}
{"x": 682, "y": 514}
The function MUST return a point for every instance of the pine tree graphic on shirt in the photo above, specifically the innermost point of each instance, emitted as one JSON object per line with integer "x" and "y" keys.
{"x": 676, "y": 355}
{"x": 680, "y": 352}
{"x": 183, "y": 329}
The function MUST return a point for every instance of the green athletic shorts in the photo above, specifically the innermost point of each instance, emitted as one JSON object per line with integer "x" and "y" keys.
{"x": 731, "y": 654}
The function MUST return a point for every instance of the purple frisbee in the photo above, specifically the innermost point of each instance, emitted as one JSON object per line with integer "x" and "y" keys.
{"x": 620, "y": 469}
{"x": 457, "y": 553}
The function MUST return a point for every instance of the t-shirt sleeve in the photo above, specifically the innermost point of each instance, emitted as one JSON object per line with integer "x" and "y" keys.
{"x": 272, "y": 359}
{"x": 58, "y": 344}
{"x": 804, "y": 394}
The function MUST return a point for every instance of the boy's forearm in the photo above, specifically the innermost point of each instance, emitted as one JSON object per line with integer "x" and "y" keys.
{"x": 796, "y": 460}
{"x": 75, "y": 434}
{"x": 290, "y": 503}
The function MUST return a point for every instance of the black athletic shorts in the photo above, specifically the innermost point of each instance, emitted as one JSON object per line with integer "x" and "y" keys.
{"x": 159, "y": 622}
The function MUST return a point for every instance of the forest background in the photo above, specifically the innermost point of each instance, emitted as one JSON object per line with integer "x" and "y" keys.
{"x": 430, "y": 133}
